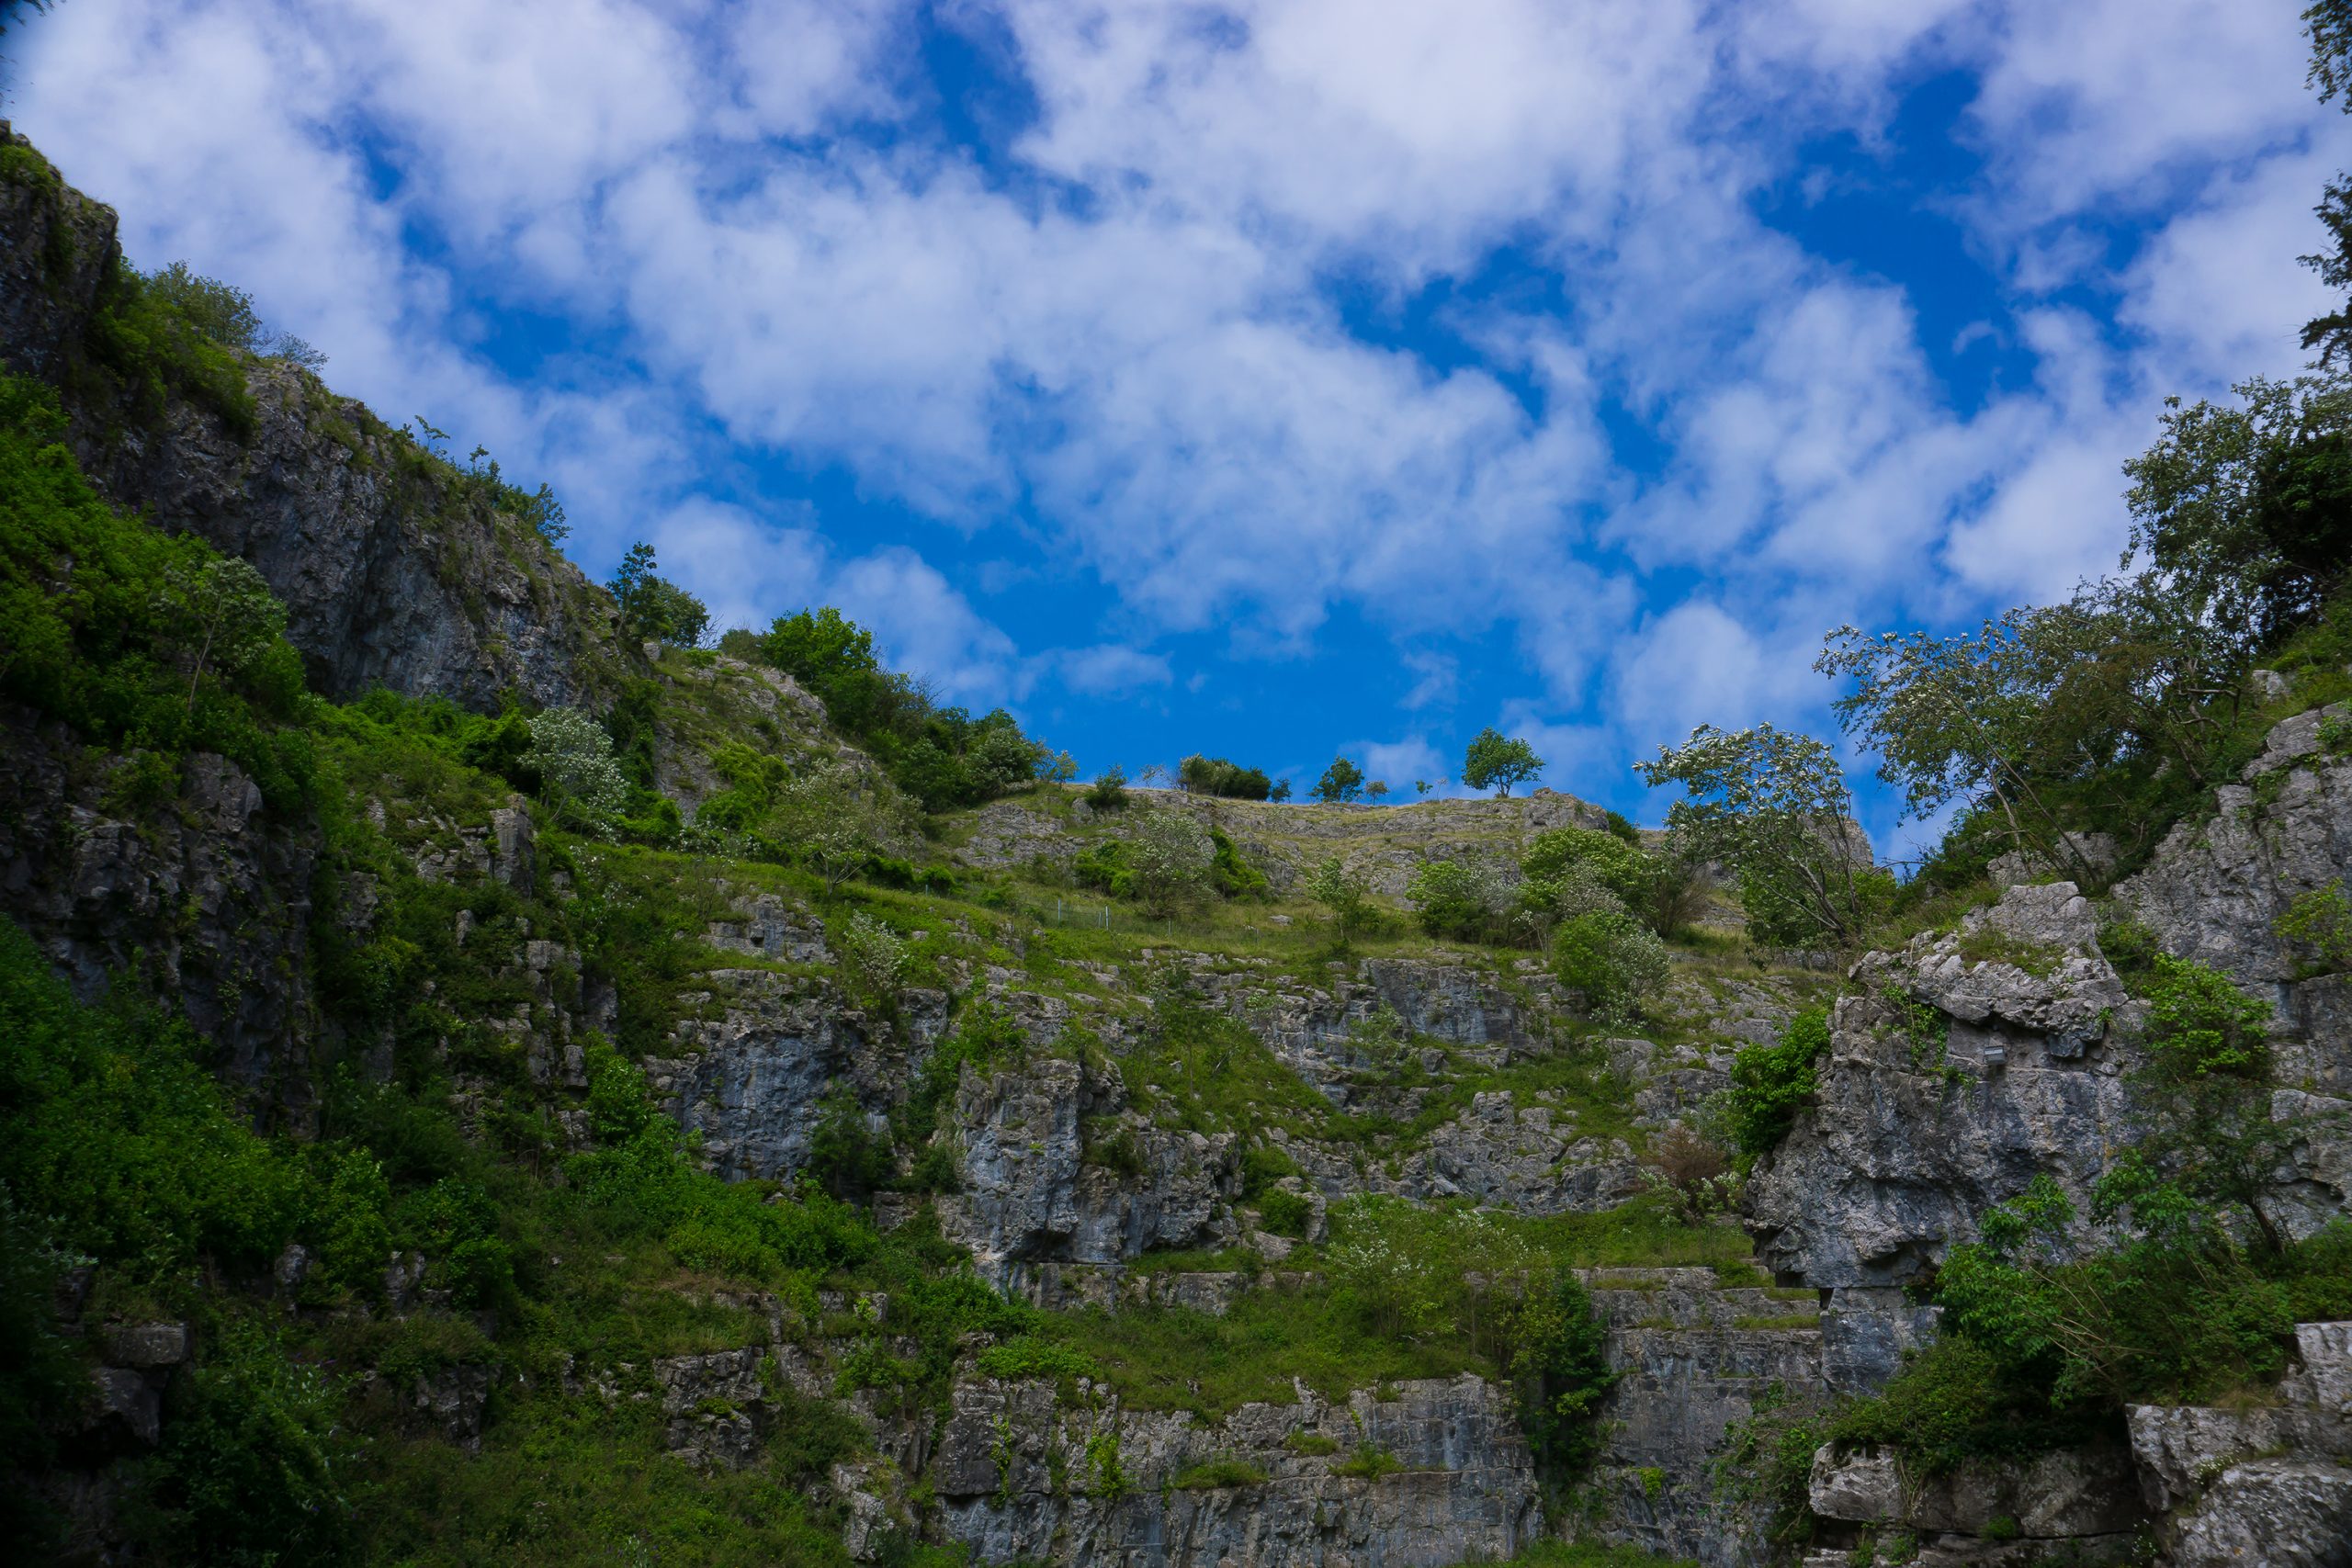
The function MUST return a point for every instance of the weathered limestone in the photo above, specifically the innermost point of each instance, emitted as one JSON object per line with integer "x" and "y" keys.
{"x": 1021, "y": 1477}
{"x": 1692, "y": 1357}
{"x": 2266, "y": 1485}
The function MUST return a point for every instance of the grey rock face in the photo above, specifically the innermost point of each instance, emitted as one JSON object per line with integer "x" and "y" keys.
{"x": 393, "y": 572}
{"x": 1030, "y": 1194}
{"x": 1017, "y": 1480}
{"x": 2259, "y": 1486}
{"x": 758, "y": 1054}
{"x": 1692, "y": 1357}
{"x": 1923, "y": 1123}
{"x": 2062, "y": 1496}
{"x": 208, "y": 903}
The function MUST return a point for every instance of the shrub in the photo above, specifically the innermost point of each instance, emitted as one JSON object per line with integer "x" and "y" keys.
{"x": 2321, "y": 918}
{"x": 1285, "y": 1213}
{"x": 248, "y": 1471}
{"x": 1451, "y": 899}
{"x": 1108, "y": 790}
{"x": 1232, "y": 876}
{"x": 1263, "y": 1165}
{"x": 1613, "y": 958}
{"x": 1218, "y": 1472}
{"x": 1033, "y": 1356}
{"x": 1556, "y": 1356}
{"x": 1770, "y": 1082}
{"x": 1214, "y": 775}
{"x": 1168, "y": 860}
{"x": 873, "y": 956}
{"x": 846, "y": 1155}
{"x": 2199, "y": 1024}
{"x": 1347, "y": 894}
{"x": 1695, "y": 1169}
{"x": 572, "y": 756}
{"x": 1369, "y": 1463}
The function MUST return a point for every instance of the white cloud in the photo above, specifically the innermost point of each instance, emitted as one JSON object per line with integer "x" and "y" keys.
{"x": 1109, "y": 670}
{"x": 1131, "y": 341}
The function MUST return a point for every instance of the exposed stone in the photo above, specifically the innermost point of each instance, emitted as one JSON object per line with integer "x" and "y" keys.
{"x": 1466, "y": 1489}
{"x": 1030, "y": 1194}
{"x": 145, "y": 1345}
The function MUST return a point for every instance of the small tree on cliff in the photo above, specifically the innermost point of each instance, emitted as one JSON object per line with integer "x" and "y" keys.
{"x": 1773, "y": 805}
{"x": 1499, "y": 761}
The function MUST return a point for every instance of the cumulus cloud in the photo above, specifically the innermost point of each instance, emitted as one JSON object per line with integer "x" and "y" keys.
{"x": 1126, "y": 341}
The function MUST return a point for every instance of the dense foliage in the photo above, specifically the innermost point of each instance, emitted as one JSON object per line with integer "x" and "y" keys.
{"x": 941, "y": 756}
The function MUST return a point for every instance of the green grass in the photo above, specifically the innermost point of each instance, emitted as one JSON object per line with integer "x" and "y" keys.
{"x": 1553, "y": 1554}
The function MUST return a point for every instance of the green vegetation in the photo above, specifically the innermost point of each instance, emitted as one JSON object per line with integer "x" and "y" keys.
{"x": 941, "y": 757}
{"x": 1229, "y": 781}
{"x": 1343, "y": 781}
{"x": 1211, "y": 1475}
{"x": 152, "y": 646}
{"x": 653, "y": 608}
{"x": 1495, "y": 763}
{"x": 1773, "y": 807}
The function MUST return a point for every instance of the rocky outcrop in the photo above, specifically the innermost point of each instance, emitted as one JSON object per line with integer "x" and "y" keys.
{"x": 1033, "y": 1192}
{"x": 2266, "y": 1484}
{"x": 1692, "y": 1357}
{"x": 206, "y": 902}
{"x": 1023, "y": 1476}
{"x": 2076, "y": 1505}
{"x": 397, "y": 569}
{"x": 758, "y": 1051}
{"x": 1386, "y": 843}
{"x": 1970, "y": 1062}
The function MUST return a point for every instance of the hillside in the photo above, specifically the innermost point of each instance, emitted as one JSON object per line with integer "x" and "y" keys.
{"x": 480, "y": 1084}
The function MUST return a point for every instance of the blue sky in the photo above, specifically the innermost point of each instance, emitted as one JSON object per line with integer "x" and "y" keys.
{"x": 1264, "y": 379}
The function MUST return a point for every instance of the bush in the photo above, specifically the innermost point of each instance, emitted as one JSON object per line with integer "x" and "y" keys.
{"x": 1770, "y": 1082}
{"x": 1613, "y": 958}
{"x": 149, "y": 644}
{"x": 1232, "y": 876}
{"x": 1217, "y": 1474}
{"x": 1231, "y": 781}
{"x": 2200, "y": 1024}
{"x": 572, "y": 756}
{"x": 1168, "y": 860}
{"x": 1347, "y": 894}
{"x": 1369, "y": 1463}
{"x": 1108, "y": 790}
{"x": 1461, "y": 902}
{"x": 1285, "y": 1213}
{"x": 248, "y": 1471}
{"x": 2321, "y": 919}
{"x": 1557, "y": 1358}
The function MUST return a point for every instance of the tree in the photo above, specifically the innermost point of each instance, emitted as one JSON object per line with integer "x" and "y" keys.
{"x": 838, "y": 819}
{"x": 1347, "y": 894}
{"x": 2051, "y": 719}
{"x": 1167, "y": 860}
{"x": 2330, "y": 25}
{"x": 1214, "y": 775}
{"x": 1496, "y": 761}
{"x": 223, "y": 617}
{"x": 2246, "y": 509}
{"x": 654, "y": 609}
{"x": 1341, "y": 781}
{"x": 1467, "y": 903}
{"x": 574, "y": 757}
{"x": 225, "y": 314}
{"x": 1773, "y": 805}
